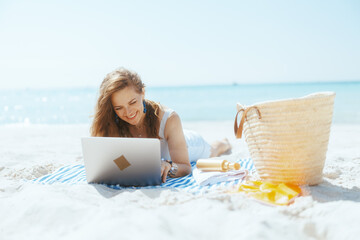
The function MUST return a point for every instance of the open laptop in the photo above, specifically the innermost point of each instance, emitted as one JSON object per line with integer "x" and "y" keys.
{"x": 123, "y": 161}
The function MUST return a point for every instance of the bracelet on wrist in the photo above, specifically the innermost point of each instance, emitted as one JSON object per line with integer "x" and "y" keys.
{"x": 173, "y": 168}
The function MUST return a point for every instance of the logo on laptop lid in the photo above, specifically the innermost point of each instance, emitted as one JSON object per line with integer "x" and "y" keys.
{"x": 122, "y": 162}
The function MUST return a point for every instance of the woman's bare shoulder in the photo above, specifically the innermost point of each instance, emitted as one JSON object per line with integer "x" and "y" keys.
{"x": 163, "y": 109}
{"x": 173, "y": 122}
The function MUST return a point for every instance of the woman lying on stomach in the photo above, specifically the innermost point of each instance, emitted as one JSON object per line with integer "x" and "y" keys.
{"x": 123, "y": 111}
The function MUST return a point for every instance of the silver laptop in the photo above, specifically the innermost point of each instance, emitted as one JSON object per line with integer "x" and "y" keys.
{"x": 123, "y": 161}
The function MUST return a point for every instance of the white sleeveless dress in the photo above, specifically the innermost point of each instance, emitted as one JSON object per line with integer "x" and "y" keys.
{"x": 197, "y": 146}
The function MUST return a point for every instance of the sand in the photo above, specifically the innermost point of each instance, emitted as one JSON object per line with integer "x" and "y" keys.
{"x": 61, "y": 211}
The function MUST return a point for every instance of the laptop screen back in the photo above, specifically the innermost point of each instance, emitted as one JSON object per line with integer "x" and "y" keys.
{"x": 123, "y": 161}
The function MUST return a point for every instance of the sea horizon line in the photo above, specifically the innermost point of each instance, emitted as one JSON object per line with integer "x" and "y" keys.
{"x": 188, "y": 85}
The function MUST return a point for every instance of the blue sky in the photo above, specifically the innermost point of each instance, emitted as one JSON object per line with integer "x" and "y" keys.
{"x": 49, "y": 44}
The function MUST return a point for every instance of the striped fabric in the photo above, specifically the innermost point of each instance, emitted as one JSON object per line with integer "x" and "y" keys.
{"x": 75, "y": 174}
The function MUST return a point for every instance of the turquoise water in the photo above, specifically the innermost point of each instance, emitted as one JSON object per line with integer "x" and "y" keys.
{"x": 193, "y": 103}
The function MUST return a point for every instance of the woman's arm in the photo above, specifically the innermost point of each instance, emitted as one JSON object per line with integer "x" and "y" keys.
{"x": 175, "y": 138}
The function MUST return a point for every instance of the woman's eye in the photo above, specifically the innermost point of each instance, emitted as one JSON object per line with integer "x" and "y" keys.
{"x": 133, "y": 103}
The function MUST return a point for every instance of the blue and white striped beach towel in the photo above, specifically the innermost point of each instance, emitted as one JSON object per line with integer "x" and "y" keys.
{"x": 75, "y": 174}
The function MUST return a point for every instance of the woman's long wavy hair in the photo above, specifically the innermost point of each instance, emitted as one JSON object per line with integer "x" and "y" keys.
{"x": 104, "y": 123}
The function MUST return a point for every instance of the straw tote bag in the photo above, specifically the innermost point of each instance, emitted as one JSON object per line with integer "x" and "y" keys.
{"x": 288, "y": 139}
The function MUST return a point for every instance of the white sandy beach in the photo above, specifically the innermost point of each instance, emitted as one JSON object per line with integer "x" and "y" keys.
{"x": 61, "y": 211}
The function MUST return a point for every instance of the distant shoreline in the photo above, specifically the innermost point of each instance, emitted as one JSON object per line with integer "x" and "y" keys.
{"x": 337, "y": 82}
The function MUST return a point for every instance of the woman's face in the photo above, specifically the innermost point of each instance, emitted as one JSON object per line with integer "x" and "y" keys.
{"x": 128, "y": 105}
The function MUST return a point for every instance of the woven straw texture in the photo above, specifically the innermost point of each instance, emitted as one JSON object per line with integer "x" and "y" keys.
{"x": 288, "y": 139}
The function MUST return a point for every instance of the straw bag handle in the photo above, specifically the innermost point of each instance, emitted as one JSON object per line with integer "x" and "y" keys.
{"x": 238, "y": 130}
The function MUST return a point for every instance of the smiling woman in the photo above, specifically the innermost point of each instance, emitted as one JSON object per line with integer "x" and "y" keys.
{"x": 120, "y": 108}
{"x": 123, "y": 111}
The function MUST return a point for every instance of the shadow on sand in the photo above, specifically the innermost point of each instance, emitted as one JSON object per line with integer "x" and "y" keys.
{"x": 327, "y": 192}
{"x": 324, "y": 192}
{"x": 107, "y": 192}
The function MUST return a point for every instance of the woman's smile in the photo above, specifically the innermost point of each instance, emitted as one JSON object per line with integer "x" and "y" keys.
{"x": 131, "y": 117}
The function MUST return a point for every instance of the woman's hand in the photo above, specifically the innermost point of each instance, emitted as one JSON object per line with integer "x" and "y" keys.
{"x": 165, "y": 168}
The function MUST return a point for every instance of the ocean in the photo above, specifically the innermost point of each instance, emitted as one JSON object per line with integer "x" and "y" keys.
{"x": 192, "y": 103}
